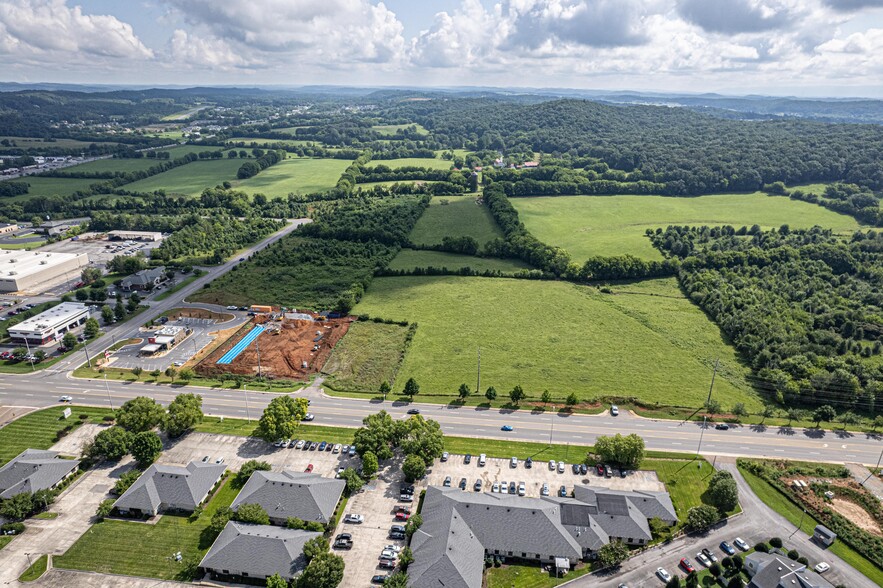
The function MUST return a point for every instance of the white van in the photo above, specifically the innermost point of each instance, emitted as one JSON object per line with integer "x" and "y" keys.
{"x": 482, "y": 459}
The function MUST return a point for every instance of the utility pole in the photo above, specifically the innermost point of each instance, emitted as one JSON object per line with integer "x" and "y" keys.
{"x": 86, "y": 351}
{"x": 713, "y": 374}
{"x": 107, "y": 389}
{"x": 701, "y": 433}
{"x": 478, "y": 385}
{"x": 800, "y": 524}
{"x": 877, "y": 467}
{"x": 247, "y": 413}
{"x": 30, "y": 357}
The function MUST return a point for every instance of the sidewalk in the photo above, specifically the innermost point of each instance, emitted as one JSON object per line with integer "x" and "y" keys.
{"x": 863, "y": 476}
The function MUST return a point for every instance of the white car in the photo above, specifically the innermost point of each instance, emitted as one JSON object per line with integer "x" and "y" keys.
{"x": 513, "y": 463}
{"x": 614, "y": 410}
{"x": 740, "y": 543}
{"x": 544, "y": 491}
{"x": 560, "y": 467}
{"x": 66, "y": 398}
{"x": 504, "y": 487}
{"x": 231, "y": 307}
{"x": 496, "y": 487}
{"x": 336, "y": 448}
{"x": 300, "y": 444}
{"x": 309, "y": 416}
{"x": 663, "y": 574}
{"x": 822, "y": 567}
{"x": 700, "y": 557}
{"x": 552, "y": 464}
{"x": 444, "y": 456}
{"x": 393, "y": 548}
{"x": 387, "y": 554}
{"x": 521, "y": 489}
{"x": 178, "y": 363}
{"x": 356, "y": 519}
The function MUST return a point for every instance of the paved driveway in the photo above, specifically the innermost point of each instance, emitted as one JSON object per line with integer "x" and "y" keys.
{"x": 757, "y": 523}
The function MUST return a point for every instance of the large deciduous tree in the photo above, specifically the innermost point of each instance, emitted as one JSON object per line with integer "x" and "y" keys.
{"x": 145, "y": 448}
{"x": 185, "y": 412}
{"x": 624, "y": 450}
{"x": 281, "y": 418}
{"x": 140, "y": 414}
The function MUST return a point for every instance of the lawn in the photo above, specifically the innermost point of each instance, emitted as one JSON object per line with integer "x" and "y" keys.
{"x": 108, "y": 547}
{"x": 369, "y": 354}
{"x": 527, "y": 576}
{"x": 40, "y": 143}
{"x": 113, "y": 165}
{"x": 190, "y": 179}
{"x": 432, "y": 163}
{"x": 411, "y": 258}
{"x": 460, "y": 217}
{"x": 36, "y": 430}
{"x": 40, "y": 186}
{"x": 295, "y": 175}
{"x": 782, "y": 505}
{"x": 615, "y": 225}
{"x": 37, "y": 569}
{"x": 587, "y": 342}
{"x": 244, "y": 428}
{"x": 5, "y": 539}
{"x": 390, "y": 130}
{"x": 182, "y": 150}
{"x": 181, "y": 284}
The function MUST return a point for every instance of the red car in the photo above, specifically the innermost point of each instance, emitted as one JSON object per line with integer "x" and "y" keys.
{"x": 402, "y": 516}
{"x": 688, "y": 567}
{"x": 401, "y": 508}
{"x": 309, "y": 468}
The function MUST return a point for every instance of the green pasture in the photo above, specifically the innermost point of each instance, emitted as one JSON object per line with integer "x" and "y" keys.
{"x": 190, "y": 179}
{"x": 390, "y": 130}
{"x": 413, "y": 258}
{"x": 432, "y": 163}
{"x": 40, "y": 186}
{"x": 39, "y": 143}
{"x": 615, "y": 225}
{"x": 644, "y": 340}
{"x": 370, "y": 353}
{"x": 114, "y": 165}
{"x": 459, "y": 217}
{"x": 182, "y": 150}
{"x": 295, "y": 174}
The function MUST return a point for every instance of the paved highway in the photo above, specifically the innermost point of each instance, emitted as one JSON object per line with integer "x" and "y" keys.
{"x": 44, "y": 387}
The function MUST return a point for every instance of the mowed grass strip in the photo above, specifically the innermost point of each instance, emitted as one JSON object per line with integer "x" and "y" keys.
{"x": 138, "y": 549}
{"x": 190, "y": 179}
{"x": 40, "y": 186}
{"x": 615, "y": 225}
{"x": 298, "y": 175}
{"x": 36, "y": 430}
{"x": 126, "y": 164}
{"x": 455, "y": 216}
{"x": 244, "y": 428}
{"x": 413, "y": 258}
{"x": 37, "y": 569}
{"x": 430, "y": 162}
{"x": 369, "y": 354}
{"x": 552, "y": 335}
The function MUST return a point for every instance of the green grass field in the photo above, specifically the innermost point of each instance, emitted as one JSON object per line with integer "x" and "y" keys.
{"x": 298, "y": 175}
{"x": 411, "y": 258}
{"x": 190, "y": 179}
{"x": 182, "y": 150}
{"x": 459, "y": 218}
{"x": 113, "y": 165}
{"x": 560, "y": 337}
{"x": 39, "y": 143}
{"x": 36, "y": 430}
{"x": 261, "y": 142}
{"x": 615, "y": 225}
{"x": 431, "y": 163}
{"x": 107, "y": 547}
{"x": 37, "y": 569}
{"x": 390, "y": 130}
{"x": 40, "y": 186}
{"x": 369, "y": 354}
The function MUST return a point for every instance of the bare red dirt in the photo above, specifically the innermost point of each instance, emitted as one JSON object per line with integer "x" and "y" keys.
{"x": 285, "y": 347}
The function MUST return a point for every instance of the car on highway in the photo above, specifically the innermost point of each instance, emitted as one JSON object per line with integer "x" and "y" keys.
{"x": 663, "y": 574}
{"x": 66, "y": 398}
{"x": 614, "y": 410}
{"x": 709, "y": 554}
{"x": 506, "y": 428}
{"x": 727, "y": 548}
{"x": 701, "y": 558}
{"x": 309, "y": 468}
{"x": 822, "y": 567}
{"x": 413, "y": 411}
{"x": 308, "y": 417}
{"x": 355, "y": 519}
{"x": 722, "y": 427}
{"x": 741, "y": 544}
{"x": 686, "y": 565}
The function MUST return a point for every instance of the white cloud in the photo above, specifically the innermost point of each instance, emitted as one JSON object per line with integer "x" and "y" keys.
{"x": 48, "y": 28}
{"x": 192, "y": 50}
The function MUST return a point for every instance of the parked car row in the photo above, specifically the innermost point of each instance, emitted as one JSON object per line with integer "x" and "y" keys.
{"x": 705, "y": 556}
{"x": 308, "y": 445}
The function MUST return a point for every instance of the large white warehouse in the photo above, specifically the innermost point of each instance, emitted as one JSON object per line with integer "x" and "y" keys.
{"x": 50, "y": 325}
{"x": 26, "y": 270}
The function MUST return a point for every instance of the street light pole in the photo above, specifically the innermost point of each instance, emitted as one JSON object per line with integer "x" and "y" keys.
{"x": 107, "y": 389}
{"x": 247, "y": 412}
{"x": 877, "y": 467}
{"x": 701, "y": 433}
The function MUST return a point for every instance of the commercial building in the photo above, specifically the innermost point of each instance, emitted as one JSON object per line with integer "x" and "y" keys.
{"x": 50, "y": 325}
{"x": 461, "y": 528}
{"x": 6, "y": 228}
{"x": 768, "y": 570}
{"x": 145, "y": 280}
{"x": 164, "y": 488}
{"x": 249, "y": 554}
{"x": 27, "y": 270}
{"x": 287, "y": 494}
{"x": 57, "y": 227}
{"x": 824, "y": 536}
{"x": 35, "y": 469}
{"x": 151, "y": 236}
{"x": 164, "y": 339}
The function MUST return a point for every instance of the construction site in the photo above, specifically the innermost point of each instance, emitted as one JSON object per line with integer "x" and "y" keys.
{"x": 277, "y": 345}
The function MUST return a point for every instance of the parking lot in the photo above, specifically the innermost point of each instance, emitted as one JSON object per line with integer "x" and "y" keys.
{"x": 500, "y": 470}
{"x": 101, "y": 250}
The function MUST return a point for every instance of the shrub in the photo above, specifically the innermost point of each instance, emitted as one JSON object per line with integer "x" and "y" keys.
{"x": 715, "y": 569}
{"x": 12, "y": 528}
{"x": 104, "y": 508}
{"x": 793, "y": 554}
{"x": 762, "y": 547}
{"x": 776, "y": 542}
{"x": 803, "y": 560}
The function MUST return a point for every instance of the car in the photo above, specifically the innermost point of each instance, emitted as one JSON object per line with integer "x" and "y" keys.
{"x": 562, "y": 491}
{"x": 701, "y": 558}
{"x": 300, "y": 444}
{"x": 343, "y": 537}
{"x": 462, "y": 484}
{"x": 286, "y": 443}
{"x": 406, "y": 488}
{"x": 477, "y": 485}
{"x": 444, "y": 456}
{"x": 66, "y": 398}
{"x": 709, "y": 554}
{"x": 552, "y": 465}
{"x": 396, "y": 536}
{"x": 687, "y": 565}
{"x": 314, "y": 445}
{"x": 340, "y": 470}
{"x": 307, "y": 445}
{"x": 387, "y": 554}
{"x": 560, "y": 467}
{"x": 205, "y": 459}
{"x": 243, "y": 308}
{"x": 394, "y": 548}
{"x": 339, "y": 544}
{"x": 614, "y": 410}
{"x": 387, "y": 564}
{"x": 404, "y": 516}
{"x": 278, "y": 443}
{"x": 231, "y": 307}
{"x": 727, "y": 548}
{"x": 512, "y": 488}
{"x": 740, "y": 543}
{"x": 406, "y": 497}
{"x": 178, "y": 363}
{"x": 413, "y": 411}
{"x": 220, "y": 460}
{"x": 513, "y": 463}
{"x": 397, "y": 528}
{"x": 329, "y": 447}
{"x": 482, "y": 459}
{"x": 544, "y": 491}
{"x": 495, "y": 488}
{"x": 241, "y": 259}
{"x": 608, "y": 471}
{"x": 600, "y": 469}
{"x": 352, "y": 451}
{"x": 353, "y": 518}
{"x": 583, "y": 469}
{"x": 447, "y": 482}
{"x": 822, "y": 567}
{"x": 322, "y": 446}
{"x": 623, "y": 473}
{"x": 522, "y": 490}
{"x": 506, "y": 428}
{"x": 378, "y": 579}
{"x": 343, "y": 450}
{"x": 467, "y": 459}
{"x": 722, "y": 427}
{"x": 309, "y": 468}
{"x": 528, "y": 463}
{"x": 663, "y": 574}
{"x": 401, "y": 508}
{"x": 308, "y": 417}
{"x": 575, "y": 468}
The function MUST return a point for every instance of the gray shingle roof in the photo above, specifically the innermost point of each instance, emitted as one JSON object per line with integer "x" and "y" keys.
{"x": 650, "y": 504}
{"x": 775, "y": 571}
{"x": 171, "y": 487}
{"x": 258, "y": 550}
{"x": 143, "y": 277}
{"x": 32, "y": 470}
{"x": 309, "y": 497}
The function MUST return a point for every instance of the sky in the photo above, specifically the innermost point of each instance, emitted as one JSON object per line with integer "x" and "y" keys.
{"x": 771, "y": 47}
